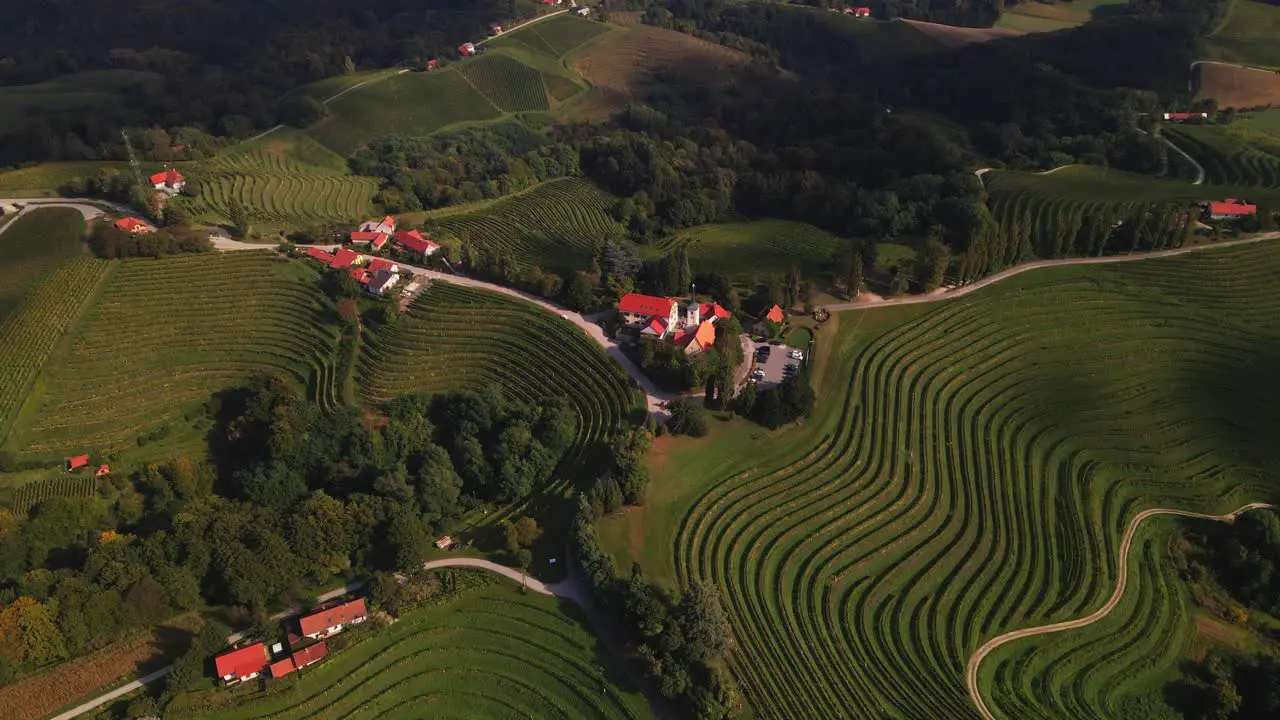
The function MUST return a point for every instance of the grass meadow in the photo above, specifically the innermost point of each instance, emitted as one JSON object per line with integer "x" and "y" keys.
{"x": 163, "y": 336}
{"x": 968, "y": 471}
{"x": 1247, "y": 35}
{"x": 744, "y": 250}
{"x": 1048, "y": 17}
{"x": 489, "y": 652}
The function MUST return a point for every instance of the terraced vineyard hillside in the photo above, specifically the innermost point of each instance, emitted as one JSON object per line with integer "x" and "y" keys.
{"x": 284, "y": 179}
{"x": 969, "y": 472}
{"x": 559, "y": 224}
{"x": 491, "y": 652}
{"x": 555, "y": 37}
{"x": 507, "y": 83}
{"x": 165, "y": 335}
{"x": 1228, "y": 159}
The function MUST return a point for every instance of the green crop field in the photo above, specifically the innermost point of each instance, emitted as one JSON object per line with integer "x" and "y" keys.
{"x": 556, "y": 37}
{"x": 1247, "y": 35}
{"x": 509, "y": 84}
{"x": 409, "y": 103}
{"x": 43, "y": 288}
{"x": 286, "y": 178}
{"x": 747, "y": 249}
{"x": 491, "y": 652}
{"x": 557, "y": 225}
{"x": 74, "y": 486}
{"x": 1094, "y": 184}
{"x": 165, "y": 335}
{"x": 46, "y": 178}
{"x": 1227, "y": 159}
{"x": 968, "y": 471}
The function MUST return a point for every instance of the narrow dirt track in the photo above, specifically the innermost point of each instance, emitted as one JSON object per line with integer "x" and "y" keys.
{"x": 1122, "y": 580}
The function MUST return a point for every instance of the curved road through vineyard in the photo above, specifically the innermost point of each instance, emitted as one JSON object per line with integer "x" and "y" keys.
{"x": 975, "y": 660}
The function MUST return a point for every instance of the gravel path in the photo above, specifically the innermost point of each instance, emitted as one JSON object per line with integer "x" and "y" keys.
{"x": 1122, "y": 580}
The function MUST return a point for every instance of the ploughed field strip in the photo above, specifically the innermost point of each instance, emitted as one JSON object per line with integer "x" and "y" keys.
{"x": 166, "y": 334}
{"x": 455, "y": 337}
{"x": 987, "y": 456}
{"x": 490, "y": 653}
{"x": 559, "y": 224}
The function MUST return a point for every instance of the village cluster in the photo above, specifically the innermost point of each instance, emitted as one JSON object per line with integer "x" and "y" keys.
{"x": 376, "y": 274}
{"x": 306, "y": 645}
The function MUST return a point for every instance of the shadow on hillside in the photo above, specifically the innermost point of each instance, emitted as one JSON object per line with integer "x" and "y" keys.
{"x": 1241, "y": 399}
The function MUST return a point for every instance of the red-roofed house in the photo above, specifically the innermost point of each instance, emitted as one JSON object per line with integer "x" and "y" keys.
{"x": 1231, "y": 209}
{"x": 246, "y": 663}
{"x": 775, "y": 315}
{"x": 412, "y": 241}
{"x": 362, "y": 237}
{"x": 1185, "y": 116}
{"x": 698, "y": 339}
{"x": 862, "y": 12}
{"x": 169, "y": 180}
{"x": 280, "y": 668}
{"x": 309, "y": 655}
{"x": 376, "y": 264}
{"x": 77, "y": 462}
{"x": 103, "y": 470}
{"x": 495, "y": 29}
{"x": 385, "y": 225}
{"x": 320, "y": 255}
{"x": 467, "y": 49}
{"x": 641, "y": 311}
{"x": 713, "y": 311}
{"x": 344, "y": 258}
{"x": 329, "y": 621}
{"x": 379, "y": 282}
{"x": 433, "y": 64}
{"x": 359, "y": 274}
{"x": 132, "y": 225}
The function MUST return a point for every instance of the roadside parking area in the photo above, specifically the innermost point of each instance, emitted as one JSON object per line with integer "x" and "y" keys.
{"x": 770, "y": 367}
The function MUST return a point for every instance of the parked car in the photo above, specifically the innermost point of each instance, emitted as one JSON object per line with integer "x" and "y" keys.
{"x": 790, "y": 369}
{"x": 758, "y": 374}
{"x": 796, "y": 355}
{"x": 763, "y": 352}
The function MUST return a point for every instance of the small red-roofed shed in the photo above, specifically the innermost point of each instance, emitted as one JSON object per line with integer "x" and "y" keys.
{"x": 280, "y": 668}
{"x": 241, "y": 664}
{"x": 76, "y": 462}
{"x": 775, "y": 315}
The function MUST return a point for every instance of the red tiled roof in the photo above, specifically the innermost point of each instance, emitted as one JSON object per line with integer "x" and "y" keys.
{"x": 168, "y": 177}
{"x": 282, "y": 667}
{"x": 320, "y": 255}
{"x": 1185, "y": 115}
{"x": 377, "y": 264}
{"x": 379, "y": 241}
{"x": 413, "y": 240}
{"x": 658, "y": 325}
{"x": 78, "y": 461}
{"x": 344, "y": 258}
{"x": 103, "y": 470}
{"x": 646, "y": 305}
{"x": 337, "y": 615}
{"x": 130, "y": 224}
{"x": 361, "y": 236}
{"x": 776, "y": 315}
{"x": 243, "y": 662}
{"x": 360, "y": 275}
{"x": 390, "y": 221}
{"x": 705, "y": 335}
{"x": 706, "y": 310}
{"x": 1232, "y": 207}
{"x": 308, "y": 655}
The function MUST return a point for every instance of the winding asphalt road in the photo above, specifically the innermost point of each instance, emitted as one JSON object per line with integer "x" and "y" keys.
{"x": 1122, "y": 580}
{"x": 961, "y": 291}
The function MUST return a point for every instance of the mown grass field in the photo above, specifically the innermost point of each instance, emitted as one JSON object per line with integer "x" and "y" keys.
{"x": 1048, "y": 17}
{"x": 285, "y": 179}
{"x": 163, "y": 336}
{"x": 82, "y": 91}
{"x": 44, "y": 285}
{"x": 968, "y": 471}
{"x": 559, "y": 224}
{"x": 409, "y": 103}
{"x": 752, "y": 249}
{"x": 454, "y": 337}
{"x": 46, "y": 178}
{"x": 1247, "y": 35}
{"x": 491, "y": 652}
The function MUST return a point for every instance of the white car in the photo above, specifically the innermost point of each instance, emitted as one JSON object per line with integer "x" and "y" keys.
{"x": 797, "y": 355}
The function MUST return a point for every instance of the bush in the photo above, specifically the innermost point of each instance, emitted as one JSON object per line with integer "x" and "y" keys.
{"x": 687, "y": 418}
